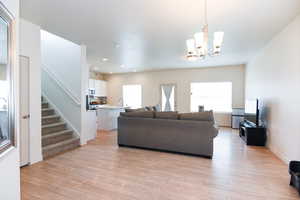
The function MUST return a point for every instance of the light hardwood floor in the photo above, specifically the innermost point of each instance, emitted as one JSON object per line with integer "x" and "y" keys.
{"x": 102, "y": 171}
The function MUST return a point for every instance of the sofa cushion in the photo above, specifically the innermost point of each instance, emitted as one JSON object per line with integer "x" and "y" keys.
{"x": 166, "y": 115}
{"x": 140, "y": 114}
{"x": 135, "y": 110}
{"x": 198, "y": 116}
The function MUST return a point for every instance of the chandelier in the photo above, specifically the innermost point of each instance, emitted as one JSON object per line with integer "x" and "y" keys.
{"x": 197, "y": 48}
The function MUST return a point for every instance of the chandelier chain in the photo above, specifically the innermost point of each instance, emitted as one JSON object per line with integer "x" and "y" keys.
{"x": 205, "y": 12}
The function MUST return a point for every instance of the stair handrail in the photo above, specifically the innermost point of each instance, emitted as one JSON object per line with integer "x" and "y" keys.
{"x": 66, "y": 90}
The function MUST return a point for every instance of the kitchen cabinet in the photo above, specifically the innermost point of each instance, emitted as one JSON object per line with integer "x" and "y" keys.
{"x": 92, "y": 83}
{"x": 107, "y": 117}
{"x": 100, "y": 87}
{"x": 91, "y": 121}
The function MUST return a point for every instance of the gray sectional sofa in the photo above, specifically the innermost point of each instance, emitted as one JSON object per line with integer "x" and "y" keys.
{"x": 188, "y": 133}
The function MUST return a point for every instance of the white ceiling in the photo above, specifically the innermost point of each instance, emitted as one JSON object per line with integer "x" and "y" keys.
{"x": 151, "y": 34}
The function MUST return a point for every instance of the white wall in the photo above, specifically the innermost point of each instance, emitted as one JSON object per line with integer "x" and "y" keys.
{"x": 30, "y": 46}
{"x": 274, "y": 77}
{"x": 68, "y": 64}
{"x": 9, "y": 163}
{"x": 63, "y": 58}
{"x": 88, "y": 118}
{"x": 151, "y": 81}
{"x": 61, "y": 81}
{"x": 68, "y": 109}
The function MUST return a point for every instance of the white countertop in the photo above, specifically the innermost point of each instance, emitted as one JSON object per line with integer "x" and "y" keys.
{"x": 109, "y": 107}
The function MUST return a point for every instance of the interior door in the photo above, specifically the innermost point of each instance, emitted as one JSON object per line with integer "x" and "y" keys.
{"x": 24, "y": 110}
{"x": 168, "y": 97}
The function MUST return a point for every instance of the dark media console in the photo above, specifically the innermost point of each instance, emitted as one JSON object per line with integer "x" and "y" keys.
{"x": 252, "y": 134}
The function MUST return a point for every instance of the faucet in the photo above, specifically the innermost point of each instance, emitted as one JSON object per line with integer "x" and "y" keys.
{"x": 120, "y": 102}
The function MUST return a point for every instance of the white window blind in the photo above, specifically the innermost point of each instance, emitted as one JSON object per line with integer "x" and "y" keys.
{"x": 132, "y": 96}
{"x": 216, "y": 96}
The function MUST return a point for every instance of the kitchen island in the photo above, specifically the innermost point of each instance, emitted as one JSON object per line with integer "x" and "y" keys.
{"x": 107, "y": 117}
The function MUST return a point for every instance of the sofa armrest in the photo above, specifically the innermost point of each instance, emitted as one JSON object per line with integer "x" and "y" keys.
{"x": 294, "y": 166}
{"x": 216, "y": 127}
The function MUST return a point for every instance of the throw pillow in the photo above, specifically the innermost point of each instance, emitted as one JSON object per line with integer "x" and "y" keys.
{"x": 156, "y": 108}
{"x": 148, "y": 108}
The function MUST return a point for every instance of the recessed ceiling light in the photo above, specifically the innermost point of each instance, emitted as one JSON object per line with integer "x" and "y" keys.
{"x": 122, "y": 66}
{"x": 104, "y": 59}
{"x": 134, "y": 70}
{"x": 110, "y": 72}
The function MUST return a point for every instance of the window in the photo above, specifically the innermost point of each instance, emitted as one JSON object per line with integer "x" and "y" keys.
{"x": 168, "y": 97}
{"x": 132, "y": 96}
{"x": 213, "y": 96}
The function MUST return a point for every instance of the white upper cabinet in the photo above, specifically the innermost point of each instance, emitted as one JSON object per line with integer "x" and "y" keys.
{"x": 99, "y": 86}
{"x": 92, "y": 83}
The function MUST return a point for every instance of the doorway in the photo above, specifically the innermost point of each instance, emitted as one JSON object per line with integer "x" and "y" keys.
{"x": 168, "y": 97}
{"x": 24, "y": 110}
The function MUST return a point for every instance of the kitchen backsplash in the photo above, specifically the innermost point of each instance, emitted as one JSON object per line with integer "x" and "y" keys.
{"x": 103, "y": 100}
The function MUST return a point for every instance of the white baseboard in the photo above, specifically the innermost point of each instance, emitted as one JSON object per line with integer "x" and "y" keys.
{"x": 279, "y": 153}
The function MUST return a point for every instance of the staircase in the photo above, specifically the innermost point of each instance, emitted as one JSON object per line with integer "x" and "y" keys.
{"x": 56, "y": 136}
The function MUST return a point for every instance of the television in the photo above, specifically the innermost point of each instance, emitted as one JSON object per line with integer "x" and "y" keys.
{"x": 251, "y": 111}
